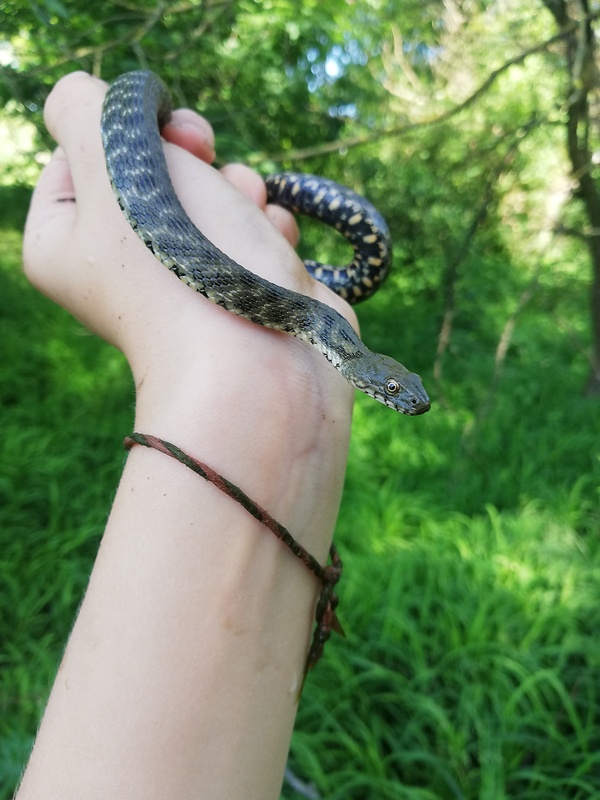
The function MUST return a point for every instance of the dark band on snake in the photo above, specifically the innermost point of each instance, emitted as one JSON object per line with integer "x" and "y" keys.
{"x": 136, "y": 107}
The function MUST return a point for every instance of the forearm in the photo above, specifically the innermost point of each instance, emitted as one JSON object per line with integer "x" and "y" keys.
{"x": 181, "y": 676}
{"x": 182, "y": 672}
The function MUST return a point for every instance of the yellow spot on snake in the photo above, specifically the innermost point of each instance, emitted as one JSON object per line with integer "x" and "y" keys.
{"x": 355, "y": 219}
{"x": 335, "y": 204}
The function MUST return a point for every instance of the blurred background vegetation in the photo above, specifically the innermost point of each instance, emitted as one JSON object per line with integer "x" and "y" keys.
{"x": 471, "y": 596}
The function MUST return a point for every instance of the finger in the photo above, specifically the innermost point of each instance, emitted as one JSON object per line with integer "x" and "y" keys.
{"x": 252, "y": 185}
{"x": 72, "y": 115}
{"x": 285, "y": 222}
{"x": 192, "y": 132}
{"x": 55, "y": 184}
{"x": 248, "y": 182}
{"x": 50, "y": 217}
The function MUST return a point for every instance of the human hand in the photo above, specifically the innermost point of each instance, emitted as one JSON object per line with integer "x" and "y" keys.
{"x": 192, "y": 637}
{"x": 190, "y": 359}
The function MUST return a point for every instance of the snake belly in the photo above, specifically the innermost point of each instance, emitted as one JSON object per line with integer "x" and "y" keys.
{"x": 136, "y": 107}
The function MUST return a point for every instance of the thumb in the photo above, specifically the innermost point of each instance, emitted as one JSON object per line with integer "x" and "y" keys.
{"x": 72, "y": 115}
{"x": 73, "y": 181}
{"x": 76, "y": 240}
{"x": 49, "y": 225}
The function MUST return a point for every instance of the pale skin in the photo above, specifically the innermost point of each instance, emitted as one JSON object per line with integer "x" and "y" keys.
{"x": 181, "y": 676}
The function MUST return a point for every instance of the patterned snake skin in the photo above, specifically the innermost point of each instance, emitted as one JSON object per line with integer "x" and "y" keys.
{"x": 137, "y": 105}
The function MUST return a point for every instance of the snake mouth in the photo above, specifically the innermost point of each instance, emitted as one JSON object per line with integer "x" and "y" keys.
{"x": 409, "y": 403}
{"x": 418, "y": 405}
{"x": 418, "y": 402}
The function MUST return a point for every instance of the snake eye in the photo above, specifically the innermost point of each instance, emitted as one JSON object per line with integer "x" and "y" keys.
{"x": 392, "y": 386}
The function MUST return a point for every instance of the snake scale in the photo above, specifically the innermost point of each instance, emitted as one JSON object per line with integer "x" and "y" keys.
{"x": 136, "y": 106}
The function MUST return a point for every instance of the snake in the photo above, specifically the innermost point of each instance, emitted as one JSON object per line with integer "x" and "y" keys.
{"x": 136, "y": 107}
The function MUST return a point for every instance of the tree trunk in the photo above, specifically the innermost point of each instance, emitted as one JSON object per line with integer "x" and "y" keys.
{"x": 572, "y": 16}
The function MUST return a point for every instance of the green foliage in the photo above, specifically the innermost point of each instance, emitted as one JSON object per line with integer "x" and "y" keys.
{"x": 472, "y": 669}
{"x": 65, "y": 400}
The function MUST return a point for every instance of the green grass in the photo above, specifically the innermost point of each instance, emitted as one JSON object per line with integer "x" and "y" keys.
{"x": 470, "y": 538}
{"x": 66, "y": 400}
{"x": 471, "y": 665}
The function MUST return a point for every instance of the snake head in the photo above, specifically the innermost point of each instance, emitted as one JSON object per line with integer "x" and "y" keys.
{"x": 393, "y": 385}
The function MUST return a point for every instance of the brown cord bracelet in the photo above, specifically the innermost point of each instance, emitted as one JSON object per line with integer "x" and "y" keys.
{"x": 325, "y": 613}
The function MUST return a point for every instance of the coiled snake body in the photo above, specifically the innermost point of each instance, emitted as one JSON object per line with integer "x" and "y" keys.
{"x": 137, "y": 105}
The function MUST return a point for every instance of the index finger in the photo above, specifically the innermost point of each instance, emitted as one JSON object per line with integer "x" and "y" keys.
{"x": 192, "y": 132}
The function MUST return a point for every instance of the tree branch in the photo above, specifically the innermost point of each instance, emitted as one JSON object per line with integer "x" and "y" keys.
{"x": 398, "y": 130}
{"x": 451, "y": 272}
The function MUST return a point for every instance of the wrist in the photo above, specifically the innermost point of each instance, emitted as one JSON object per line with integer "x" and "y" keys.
{"x": 264, "y": 410}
